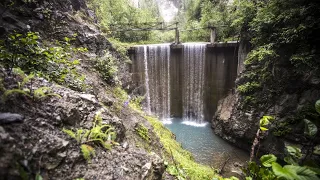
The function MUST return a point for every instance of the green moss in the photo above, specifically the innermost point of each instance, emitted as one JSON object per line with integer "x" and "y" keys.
{"x": 120, "y": 94}
{"x": 135, "y": 103}
{"x": 143, "y": 132}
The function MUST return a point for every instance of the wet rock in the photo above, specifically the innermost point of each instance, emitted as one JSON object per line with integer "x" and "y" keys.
{"x": 71, "y": 116}
{"x": 125, "y": 145}
{"x": 89, "y": 97}
{"x": 9, "y": 19}
{"x": 3, "y": 134}
{"x": 2, "y": 31}
{"x": 8, "y": 118}
{"x": 158, "y": 166}
{"x": 146, "y": 170}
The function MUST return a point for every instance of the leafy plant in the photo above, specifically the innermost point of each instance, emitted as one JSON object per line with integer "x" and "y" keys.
{"x": 87, "y": 151}
{"x": 294, "y": 170}
{"x": 27, "y": 91}
{"x": 106, "y": 66}
{"x": 248, "y": 87}
{"x": 32, "y": 56}
{"x": 100, "y": 134}
{"x": 143, "y": 132}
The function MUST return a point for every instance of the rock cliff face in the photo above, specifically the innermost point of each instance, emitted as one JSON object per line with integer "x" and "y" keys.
{"x": 39, "y": 145}
{"x": 31, "y": 136}
{"x": 294, "y": 101}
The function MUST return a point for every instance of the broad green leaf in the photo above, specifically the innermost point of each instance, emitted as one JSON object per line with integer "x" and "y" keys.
{"x": 264, "y": 122}
{"x": 294, "y": 151}
{"x": 263, "y": 128}
{"x": 267, "y": 160}
{"x": 317, "y": 150}
{"x": 301, "y": 173}
{"x": 39, "y": 177}
{"x": 317, "y": 106}
{"x": 315, "y": 170}
{"x": 281, "y": 172}
{"x": 310, "y": 128}
{"x": 290, "y": 160}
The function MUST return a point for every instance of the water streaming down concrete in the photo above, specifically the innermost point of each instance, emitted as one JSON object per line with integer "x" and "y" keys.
{"x": 184, "y": 81}
{"x": 154, "y": 73}
{"x": 193, "y": 81}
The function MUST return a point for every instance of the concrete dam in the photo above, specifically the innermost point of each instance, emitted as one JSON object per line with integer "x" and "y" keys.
{"x": 184, "y": 80}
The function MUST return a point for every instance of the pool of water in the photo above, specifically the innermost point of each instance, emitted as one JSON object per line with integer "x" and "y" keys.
{"x": 206, "y": 147}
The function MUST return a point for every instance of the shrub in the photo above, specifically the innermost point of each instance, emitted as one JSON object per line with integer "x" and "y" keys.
{"x": 143, "y": 132}
{"x": 100, "y": 134}
{"x": 106, "y": 66}
{"x": 248, "y": 87}
{"x": 31, "y": 55}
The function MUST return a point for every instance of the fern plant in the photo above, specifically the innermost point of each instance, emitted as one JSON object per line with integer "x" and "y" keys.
{"x": 39, "y": 93}
{"x": 87, "y": 152}
{"x": 100, "y": 134}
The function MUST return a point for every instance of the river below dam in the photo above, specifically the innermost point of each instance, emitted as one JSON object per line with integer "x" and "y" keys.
{"x": 206, "y": 147}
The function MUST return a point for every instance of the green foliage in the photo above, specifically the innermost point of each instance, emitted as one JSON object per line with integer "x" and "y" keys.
{"x": 272, "y": 170}
{"x": 120, "y": 94}
{"x": 107, "y": 67}
{"x": 267, "y": 160}
{"x": 38, "y": 177}
{"x": 143, "y": 132}
{"x": 264, "y": 122}
{"x": 121, "y": 48}
{"x": 204, "y": 13}
{"x": 177, "y": 172}
{"x": 317, "y": 106}
{"x": 262, "y": 53}
{"x": 135, "y": 103}
{"x": 100, "y": 134}
{"x": 27, "y": 91}
{"x": 310, "y": 128}
{"x": 248, "y": 87}
{"x": 121, "y": 14}
{"x": 87, "y": 151}
{"x": 292, "y": 172}
{"x": 283, "y": 35}
{"x": 22, "y": 172}
{"x": 296, "y": 167}
{"x": 32, "y": 56}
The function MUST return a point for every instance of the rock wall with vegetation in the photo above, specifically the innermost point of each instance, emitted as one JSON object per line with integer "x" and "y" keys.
{"x": 281, "y": 78}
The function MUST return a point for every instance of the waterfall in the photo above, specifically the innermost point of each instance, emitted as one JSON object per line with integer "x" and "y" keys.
{"x": 156, "y": 61}
{"x": 193, "y": 78}
{"x": 146, "y": 75}
{"x": 184, "y": 81}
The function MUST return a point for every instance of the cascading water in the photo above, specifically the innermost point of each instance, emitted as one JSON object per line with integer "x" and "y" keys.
{"x": 156, "y": 61}
{"x": 184, "y": 81}
{"x": 193, "y": 78}
{"x": 145, "y": 61}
